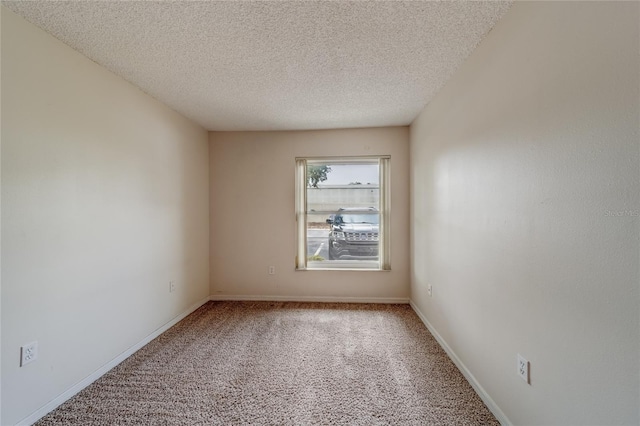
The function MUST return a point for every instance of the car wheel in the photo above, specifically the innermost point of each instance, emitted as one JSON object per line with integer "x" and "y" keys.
{"x": 332, "y": 255}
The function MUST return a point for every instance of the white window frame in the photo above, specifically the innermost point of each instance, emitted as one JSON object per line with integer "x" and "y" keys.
{"x": 301, "y": 212}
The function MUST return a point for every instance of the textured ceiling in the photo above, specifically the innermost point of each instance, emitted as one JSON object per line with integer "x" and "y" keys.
{"x": 276, "y": 65}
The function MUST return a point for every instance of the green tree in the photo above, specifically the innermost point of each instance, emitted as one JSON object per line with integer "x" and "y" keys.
{"x": 317, "y": 174}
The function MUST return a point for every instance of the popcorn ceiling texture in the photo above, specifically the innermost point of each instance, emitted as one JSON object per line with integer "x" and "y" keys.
{"x": 276, "y": 65}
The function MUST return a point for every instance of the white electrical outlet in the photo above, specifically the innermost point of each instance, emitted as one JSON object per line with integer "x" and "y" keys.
{"x": 523, "y": 368}
{"x": 172, "y": 286}
{"x": 272, "y": 270}
{"x": 430, "y": 290}
{"x": 28, "y": 353}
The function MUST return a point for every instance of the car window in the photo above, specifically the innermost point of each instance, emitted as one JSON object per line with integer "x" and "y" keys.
{"x": 359, "y": 218}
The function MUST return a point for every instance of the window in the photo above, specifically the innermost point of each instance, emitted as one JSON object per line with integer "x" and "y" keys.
{"x": 342, "y": 213}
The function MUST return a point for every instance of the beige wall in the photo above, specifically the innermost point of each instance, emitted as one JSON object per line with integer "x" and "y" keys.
{"x": 525, "y": 213}
{"x": 253, "y": 214}
{"x": 105, "y": 199}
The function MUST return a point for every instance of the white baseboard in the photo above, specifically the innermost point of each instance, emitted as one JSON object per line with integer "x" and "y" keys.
{"x": 322, "y": 299}
{"x": 489, "y": 402}
{"x": 53, "y": 404}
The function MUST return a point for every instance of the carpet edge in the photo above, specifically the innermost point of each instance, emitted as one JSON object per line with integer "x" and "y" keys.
{"x": 101, "y": 371}
{"x": 477, "y": 387}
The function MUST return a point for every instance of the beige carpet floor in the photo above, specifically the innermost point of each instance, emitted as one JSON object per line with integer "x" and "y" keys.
{"x": 283, "y": 364}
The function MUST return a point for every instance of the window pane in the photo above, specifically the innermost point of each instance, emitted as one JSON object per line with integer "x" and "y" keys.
{"x": 343, "y": 214}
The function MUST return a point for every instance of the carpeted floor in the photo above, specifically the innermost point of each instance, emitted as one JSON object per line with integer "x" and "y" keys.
{"x": 284, "y": 364}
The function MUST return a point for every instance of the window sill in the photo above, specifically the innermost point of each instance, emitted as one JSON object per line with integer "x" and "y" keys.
{"x": 344, "y": 269}
{"x": 344, "y": 265}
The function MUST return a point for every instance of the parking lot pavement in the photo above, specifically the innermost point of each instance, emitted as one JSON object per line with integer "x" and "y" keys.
{"x": 318, "y": 239}
{"x": 317, "y": 233}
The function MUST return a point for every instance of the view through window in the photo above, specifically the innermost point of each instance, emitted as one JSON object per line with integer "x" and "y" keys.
{"x": 342, "y": 213}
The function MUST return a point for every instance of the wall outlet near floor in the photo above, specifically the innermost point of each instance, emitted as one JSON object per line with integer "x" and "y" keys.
{"x": 172, "y": 286}
{"x": 272, "y": 270}
{"x": 523, "y": 368}
{"x": 430, "y": 290}
{"x": 28, "y": 353}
